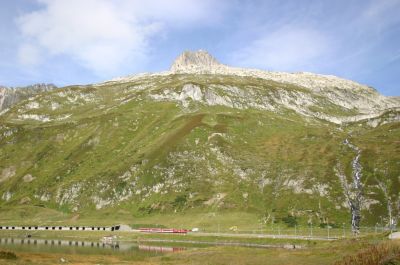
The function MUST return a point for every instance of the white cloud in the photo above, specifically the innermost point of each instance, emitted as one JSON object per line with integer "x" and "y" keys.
{"x": 28, "y": 55}
{"x": 286, "y": 49}
{"x": 371, "y": 19}
{"x": 178, "y": 13}
{"x": 99, "y": 34}
{"x": 380, "y": 14}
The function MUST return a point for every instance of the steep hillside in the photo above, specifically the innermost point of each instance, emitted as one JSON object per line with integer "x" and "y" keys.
{"x": 10, "y": 96}
{"x": 206, "y": 141}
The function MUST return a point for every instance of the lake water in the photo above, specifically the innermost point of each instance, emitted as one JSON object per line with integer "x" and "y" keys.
{"x": 85, "y": 247}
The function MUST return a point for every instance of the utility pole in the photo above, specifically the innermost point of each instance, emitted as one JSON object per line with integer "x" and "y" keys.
{"x": 327, "y": 226}
{"x": 311, "y": 230}
{"x": 273, "y": 220}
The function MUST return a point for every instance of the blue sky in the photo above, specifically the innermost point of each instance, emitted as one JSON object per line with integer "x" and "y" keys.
{"x": 83, "y": 41}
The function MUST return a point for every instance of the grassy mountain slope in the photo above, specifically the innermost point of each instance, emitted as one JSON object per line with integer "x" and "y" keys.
{"x": 190, "y": 144}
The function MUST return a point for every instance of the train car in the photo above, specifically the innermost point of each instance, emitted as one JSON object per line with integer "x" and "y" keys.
{"x": 163, "y": 230}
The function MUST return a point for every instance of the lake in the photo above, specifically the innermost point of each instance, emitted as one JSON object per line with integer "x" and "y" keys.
{"x": 40, "y": 245}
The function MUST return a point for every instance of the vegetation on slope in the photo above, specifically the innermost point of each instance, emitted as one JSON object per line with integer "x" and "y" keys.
{"x": 143, "y": 149}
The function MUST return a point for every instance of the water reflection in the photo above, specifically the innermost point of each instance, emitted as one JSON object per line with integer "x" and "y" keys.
{"x": 52, "y": 242}
{"x": 160, "y": 249}
{"x": 75, "y": 247}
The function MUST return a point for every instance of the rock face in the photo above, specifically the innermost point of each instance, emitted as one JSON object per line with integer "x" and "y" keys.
{"x": 349, "y": 96}
{"x": 10, "y": 96}
{"x": 198, "y": 60}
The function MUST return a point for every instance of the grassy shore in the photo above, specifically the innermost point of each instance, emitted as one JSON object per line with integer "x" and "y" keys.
{"x": 313, "y": 252}
{"x": 212, "y": 255}
{"x": 214, "y": 222}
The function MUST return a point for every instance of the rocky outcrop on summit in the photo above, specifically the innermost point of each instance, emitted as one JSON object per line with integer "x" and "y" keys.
{"x": 359, "y": 102}
{"x": 201, "y": 62}
{"x": 10, "y": 96}
{"x": 195, "y": 61}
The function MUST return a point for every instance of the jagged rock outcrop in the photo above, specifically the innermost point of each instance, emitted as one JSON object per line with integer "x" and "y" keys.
{"x": 195, "y": 61}
{"x": 10, "y": 95}
{"x": 364, "y": 101}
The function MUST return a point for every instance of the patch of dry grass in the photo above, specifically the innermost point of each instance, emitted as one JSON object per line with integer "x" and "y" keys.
{"x": 7, "y": 255}
{"x": 387, "y": 253}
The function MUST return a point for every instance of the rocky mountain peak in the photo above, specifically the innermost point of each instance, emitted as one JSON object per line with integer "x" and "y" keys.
{"x": 10, "y": 96}
{"x": 194, "y": 60}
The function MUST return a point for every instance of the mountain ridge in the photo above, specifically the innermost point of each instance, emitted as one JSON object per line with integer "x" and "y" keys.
{"x": 12, "y": 95}
{"x": 371, "y": 103}
{"x": 202, "y": 62}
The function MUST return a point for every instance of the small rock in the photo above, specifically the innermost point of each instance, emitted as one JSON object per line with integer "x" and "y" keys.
{"x": 289, "y": 246}
{"x": 28, "y": 178}
{"x": 25, "y": 200}
{"x": 395, "y": 235}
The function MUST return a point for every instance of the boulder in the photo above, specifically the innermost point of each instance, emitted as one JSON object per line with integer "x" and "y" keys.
{"x": 394, "y": 235}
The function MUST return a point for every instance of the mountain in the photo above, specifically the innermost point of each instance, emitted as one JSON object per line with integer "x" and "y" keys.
{"x": 204, "y": 137}
{"x": 11, "y": 96}
{"x": 323, "y": 94}
{"x": 195, "y": 61}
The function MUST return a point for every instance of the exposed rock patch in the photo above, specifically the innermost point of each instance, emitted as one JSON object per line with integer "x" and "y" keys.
{"x": 11, "y": 96}
{"x": 7, "y": 195}
{"x": 25, "y": 200}
{"x": 28, "y": 178}
{"x": 191, "y": 91}
{"x": 7, "y": 173}
{"x": 217, "y": 198}
{"x": 197, "y": 60}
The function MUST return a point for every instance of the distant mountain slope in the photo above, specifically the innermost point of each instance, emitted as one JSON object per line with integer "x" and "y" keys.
{"x": 204, "y": 141}
{"x": 11, "y": 96}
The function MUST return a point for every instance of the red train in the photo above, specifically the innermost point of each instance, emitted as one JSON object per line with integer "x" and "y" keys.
{"x": 164, "y": 230}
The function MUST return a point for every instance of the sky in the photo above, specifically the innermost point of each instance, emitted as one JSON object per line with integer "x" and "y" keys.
{"x": 67, "y": 42}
